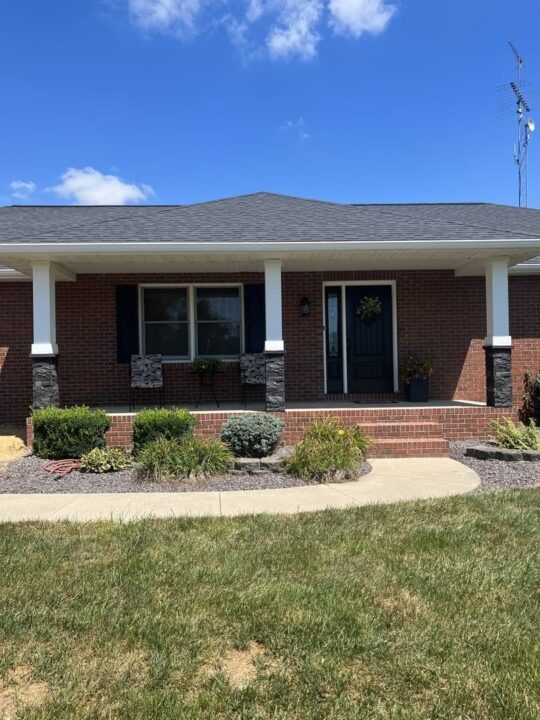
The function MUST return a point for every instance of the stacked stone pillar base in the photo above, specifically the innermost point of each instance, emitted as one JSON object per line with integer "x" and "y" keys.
{"x": 499, "y": 376}
{"x": 45, "y": 391}
{"x": 275, "y": 381}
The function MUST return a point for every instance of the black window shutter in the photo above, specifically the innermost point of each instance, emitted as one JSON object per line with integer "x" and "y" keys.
{"x": 254, "y": 318}
{"x": 127, "y": 322}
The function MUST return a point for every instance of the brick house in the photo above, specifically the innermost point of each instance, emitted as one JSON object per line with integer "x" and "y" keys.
{"x": 84, "y": 288}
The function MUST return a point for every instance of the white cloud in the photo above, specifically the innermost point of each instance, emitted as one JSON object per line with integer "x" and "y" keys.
{"x": 22, "y": 189}
{"x": 355, "y": 17}
{"x": 277, "y": 28}
{"x": 255, "y": 10}
{"x": 296, "y": 32}
{"x": 169, "y": 15}
{"x": 87, "y": 186}
{"x": 298, "y": 127}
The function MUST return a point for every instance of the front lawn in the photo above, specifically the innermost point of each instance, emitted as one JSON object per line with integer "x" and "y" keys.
{"x": 424, "y": 610}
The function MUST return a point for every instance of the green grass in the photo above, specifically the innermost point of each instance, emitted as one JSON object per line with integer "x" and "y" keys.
{"x": 424, "y": 610}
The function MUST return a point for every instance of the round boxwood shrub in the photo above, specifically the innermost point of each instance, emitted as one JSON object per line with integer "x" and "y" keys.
{"x": 252, "y": 434}
{"x": 168, "y": 423}
{"x": 68, "y": 432}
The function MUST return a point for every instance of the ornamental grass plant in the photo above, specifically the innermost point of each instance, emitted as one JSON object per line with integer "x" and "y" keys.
{"x": 169, "y": 460}
{"x": 328, "y": 451}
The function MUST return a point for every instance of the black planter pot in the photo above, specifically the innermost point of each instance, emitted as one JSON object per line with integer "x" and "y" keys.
{"x": 417, "y": 390}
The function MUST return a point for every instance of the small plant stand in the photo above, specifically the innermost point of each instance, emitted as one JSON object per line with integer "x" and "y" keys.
{"x": 207, "y": 382}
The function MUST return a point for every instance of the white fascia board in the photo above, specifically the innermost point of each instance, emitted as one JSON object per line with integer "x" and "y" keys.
{"x": 525, "y": 269}
{"x": 10, "y": 274}
{"x": 92, "y": 248}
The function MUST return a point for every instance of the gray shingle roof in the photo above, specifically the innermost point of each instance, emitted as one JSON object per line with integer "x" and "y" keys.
{"x": 265, "y": 217}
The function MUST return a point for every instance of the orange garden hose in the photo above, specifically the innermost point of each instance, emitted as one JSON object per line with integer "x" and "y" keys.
{"x": 61, "y": 468}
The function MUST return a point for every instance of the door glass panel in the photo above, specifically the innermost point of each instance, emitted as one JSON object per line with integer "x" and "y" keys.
{"x": 333, "y": 340}
{"x": 333, "y": 326}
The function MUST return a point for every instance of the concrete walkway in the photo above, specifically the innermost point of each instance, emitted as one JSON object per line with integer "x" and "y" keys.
{"x": 390, "y": 481}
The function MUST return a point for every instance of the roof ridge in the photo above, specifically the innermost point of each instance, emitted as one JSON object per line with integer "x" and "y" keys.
{"x": 267, "y": 193}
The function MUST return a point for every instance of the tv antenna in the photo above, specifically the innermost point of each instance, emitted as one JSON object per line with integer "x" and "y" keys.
{"x": 525, "y": 126}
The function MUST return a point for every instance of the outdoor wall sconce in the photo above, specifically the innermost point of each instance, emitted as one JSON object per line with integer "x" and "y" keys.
{"x": 305, "y": 306}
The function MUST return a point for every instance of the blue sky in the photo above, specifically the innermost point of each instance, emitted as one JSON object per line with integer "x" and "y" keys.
{"x": 175, "y": 101}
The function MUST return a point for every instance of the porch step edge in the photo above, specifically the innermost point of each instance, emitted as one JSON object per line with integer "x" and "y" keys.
{"x": 410, "y": 447}
{"x": 419, "y": 429}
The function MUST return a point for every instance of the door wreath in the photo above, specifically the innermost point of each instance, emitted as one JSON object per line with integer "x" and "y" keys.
{"x": 369, "y": 309}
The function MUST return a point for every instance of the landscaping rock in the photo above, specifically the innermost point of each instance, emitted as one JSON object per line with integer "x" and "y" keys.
{"x": 492, "y": 452}
{"x": 272, "y": 463}
{"x": 497, "y": 474}
{"x": 247, "y": 464}
{"x": 27, "y": 475}
{"x": 531, "y": 455}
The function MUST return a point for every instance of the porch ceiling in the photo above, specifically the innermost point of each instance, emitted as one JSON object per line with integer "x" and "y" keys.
{"x": 167, "y": 259}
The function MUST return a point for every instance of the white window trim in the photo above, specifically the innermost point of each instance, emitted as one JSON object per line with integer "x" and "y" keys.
{"x": 343, "y": 285}
{"x": 192, "y": 318}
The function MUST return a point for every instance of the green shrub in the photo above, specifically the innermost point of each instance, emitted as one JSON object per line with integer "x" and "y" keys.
{"x": 252, "y": 434}
{"x": 516, "y": 436}
{"x": 68, "y": 432}
{"x": 101, "y": 460}
{"x": 166, "y": 460}
{"x": 168, "y": 423}
{"x": 328, "y": 450}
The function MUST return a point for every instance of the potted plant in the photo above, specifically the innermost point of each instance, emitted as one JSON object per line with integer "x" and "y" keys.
{"x": 415, "y": 373}
{"x": 206, "y": 365}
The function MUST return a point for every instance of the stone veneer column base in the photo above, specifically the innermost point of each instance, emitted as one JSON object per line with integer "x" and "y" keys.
{"x": 498, "y": 376}
{"x": 45, "y": 391}
{"x": 275, "y": 381}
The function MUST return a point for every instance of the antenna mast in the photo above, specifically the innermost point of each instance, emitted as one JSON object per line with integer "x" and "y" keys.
{"x": 524, "y": 129}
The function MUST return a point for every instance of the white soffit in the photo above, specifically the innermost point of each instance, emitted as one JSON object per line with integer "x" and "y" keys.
{"x": 463, "y": 259}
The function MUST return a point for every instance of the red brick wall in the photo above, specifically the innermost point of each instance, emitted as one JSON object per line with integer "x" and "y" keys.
{"x": 15, "y": 345}
{"x": 439, "y": 315}
{"x": 455, "y": 423}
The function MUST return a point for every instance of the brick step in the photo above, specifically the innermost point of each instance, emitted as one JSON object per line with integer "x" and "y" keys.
{"x": 411, "y": 447}
{"x": 420, "y": 429}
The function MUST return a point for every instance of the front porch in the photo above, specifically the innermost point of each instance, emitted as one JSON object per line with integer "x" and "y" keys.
{"x": 322, "y": 355}
{"x": 324, "y": 336}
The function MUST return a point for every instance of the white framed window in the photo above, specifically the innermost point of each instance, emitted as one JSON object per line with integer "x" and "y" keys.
{"x": 219, "y": 321}
{"x": 182, "y": 322}
{"x": 165, "y": 322}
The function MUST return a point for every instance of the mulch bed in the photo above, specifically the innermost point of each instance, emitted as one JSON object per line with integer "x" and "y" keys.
{"x": 27, "y": 475}
{"x": 498, "y": 474}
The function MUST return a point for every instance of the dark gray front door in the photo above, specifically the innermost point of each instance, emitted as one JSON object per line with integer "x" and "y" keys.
{"x": 370, "y": 365}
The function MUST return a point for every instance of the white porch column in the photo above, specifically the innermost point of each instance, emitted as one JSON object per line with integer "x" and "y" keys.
{"x": 45, "y": 390}
{"x": 498, "y": 342}
{"x": 272, "y": 296}
{"x": 43, "y": 287}
{"x": 497, "y": 309}
{"x": 273, "y": 345}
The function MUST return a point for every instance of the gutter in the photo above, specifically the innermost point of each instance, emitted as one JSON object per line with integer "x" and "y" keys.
{"x": 89, "y": 248}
